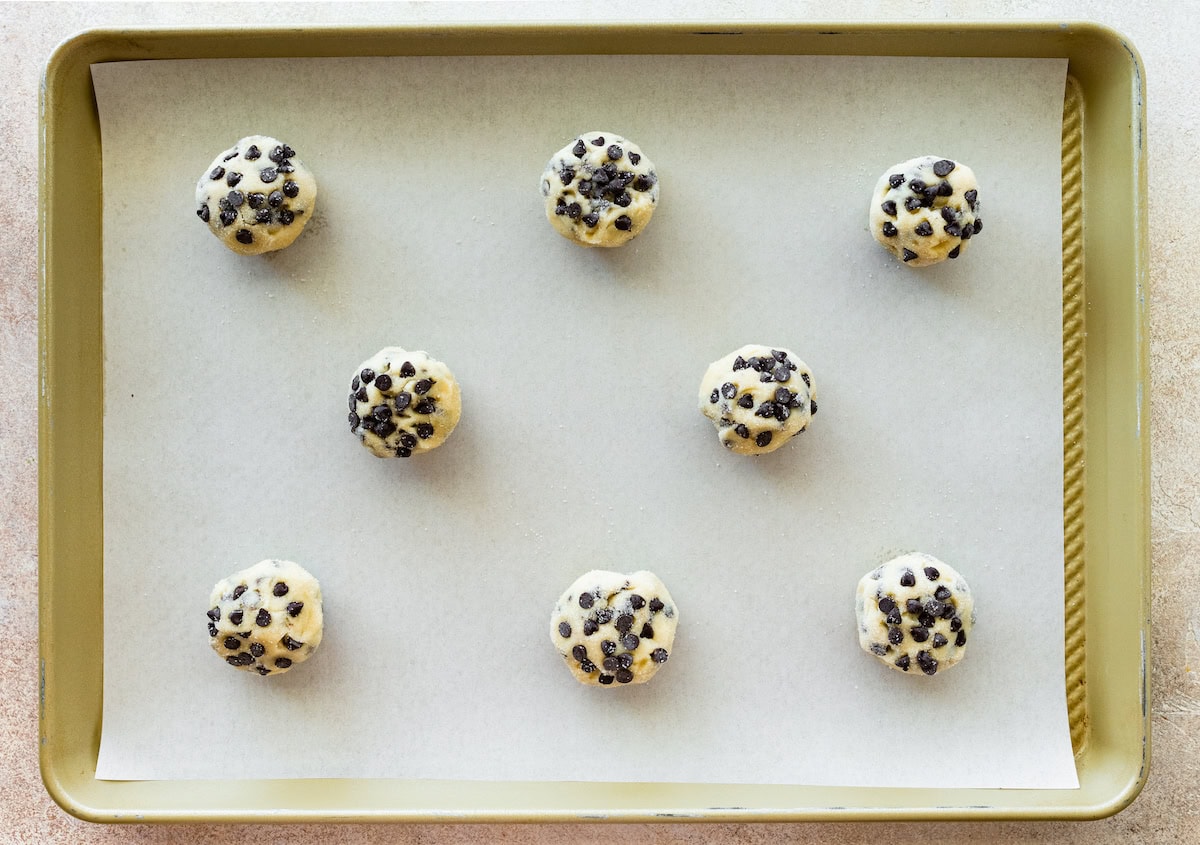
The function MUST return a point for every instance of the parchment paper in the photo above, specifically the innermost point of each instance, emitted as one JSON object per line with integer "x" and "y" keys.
{"x": 940, "y": 423}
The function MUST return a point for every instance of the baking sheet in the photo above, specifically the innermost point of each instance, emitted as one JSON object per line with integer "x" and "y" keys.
{"x": 939, "y": 430}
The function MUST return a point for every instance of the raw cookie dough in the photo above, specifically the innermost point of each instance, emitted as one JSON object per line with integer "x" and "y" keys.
{"x": 266, "y": 618}
{"x": 600, "y": 190}
{"x": 925, "y": 210}
{"x": 915, "y": 614}
{"x": 758, "y": 397}
{"x": 613, "y": 628}
{"x": 403, "y": 403}
{"x": 256, "y": 196}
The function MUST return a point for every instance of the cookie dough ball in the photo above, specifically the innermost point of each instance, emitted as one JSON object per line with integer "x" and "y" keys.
{"x": 600, "y": 190}
{"x": 613, "y": 628}
{"x": 403, "y": 403}
{"x": 267, "y": 618}
{"x": 256, "y": 196}
{"x": 915, "y": 614}
{"x": 758, "y": 397}
{"x": 926, "y": 210}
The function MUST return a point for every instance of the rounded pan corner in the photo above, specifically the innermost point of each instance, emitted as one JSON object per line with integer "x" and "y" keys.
{"x": 1113, "y": 37}
{"x": 62, "y": 793}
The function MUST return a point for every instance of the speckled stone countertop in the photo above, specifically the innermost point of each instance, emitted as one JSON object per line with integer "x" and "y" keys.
{"x": 1168, "y": 810}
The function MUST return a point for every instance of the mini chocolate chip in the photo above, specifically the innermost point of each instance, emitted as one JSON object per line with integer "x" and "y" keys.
{"x": 275, "y": 199}
{"x": 263, "y": 618}
{"x": 403, "y": 400}
{"x": 253, "y": 153}
{"x": 361, "y": 394}
{"x": 232, "y": 643}
{"x": 353, "y": 418}
{"x": 262, "y": 216}
{"x": 579, "y": 149}
{"x": 747, "y": 401}
{"x": 425, "y": 407}
{"x": 939, "y": 640}
{"x": 227, "y": 217}
{"x": 231, "y": 155}
{"x": 381, "y": 412}
{"x": 955, "y": 624}
{"x": 647, "y": 632}
{"x": 945, "y": 190}
{"x": 934, "y": 607}
{"x": 918, "y": 185}
{"x": 907, "y": 579}
{"x": 943, "y": 167}
{"x": 600, "y": 177}
{"x": 424, "y": 431}
{"x": 643, "y": 183}
{"x": 217, "y": 173}
{"x": 591, "y": 219}
{"x": 655, "y": 605}
{"x": 624, "y": 676}
{"x": 587, "y": 666}
{"x": 238, "y": 590}
{"x": 978, "y": 226}
{"x": 925, "y": 620}
{"x": 924, "y": 229}
{"x": 928, "y": 664}
{"x": 812, "y": 407}
{"x": 610, "y": 663}
{"x": 912, "y": 204}
{"x": 586, "y": 600}
{"x": 257, "y": 649}
{"x": 961, "y": 639}
{"x": 634, "y": 158}
{"x": 896, "y": 180}
{"x": 971, "y": 197}
{"x": 886, "y": 604}
{"x": 623, "y": 199}
{"x": 953, "y": 230}
{"x": 913, "y": 605}
{"x": 604, "y": 615}
{"x": 262, "y": 670}
{"x": 608, "y": 647}
{"x": 781, "y": 373}
{"x": 624, "y": 622}
{"x": 244, "y": 236}
{"x": 291, "y": 189}
{"x": 290, "y": 644}
{"x": 579, "y": 652}
{"x": 889, "y": 207}
{"x": 623, "y": 223}
{"x": 590, "y": 627}
{"x": 280, "y": 588}
{"x": 903, "y": 662}
{"x": 766, "y": 409}
{"x": 893, "y": 617}
{"x": 741, "y": 431}
{"x": 948, "y": 214}
{"x": 714, "y": 397}
{"x": 947, "y": 611}
{"x": 807, "y": 380}
{"x": 214, "y": 614}
{"x": 242, "y": 659}
{"x": 422, "y": 386}
{"x": 636, "y": 601}
{"x": 895, "y": 636}
{"x": 212, "y": 629}
{"x": 659, "y": 655}
{"x": 598, "y": 141}
{"x": 403, "y": 452}
{"x": 567, "y": 175}
{"x": 383, "y": 381}
{"x": 728, "y": 390}
{"x": 630, "y": 641}
{"x": 286, "y": 217}
{"x": 282, "y": 662}
{"x": 931, "y": 573}
{"x": 614, "y": 152}
{"x": 268, "y": 175}
{"x": 294, "y": 608}
{"x": 203, "y": 213}
{"x": 407, "y": 370}
{"x": 967, "y": 233}
{"x": 909, "y": 255}
{"x": 765, "y": 377}
{"x": 919, "y": 633}
{"x": 232, "y": 178}
{"x": 889, "y": 231}
{"x": 407, "y": 440}
{"x": 606, "y": 679}
{"x": 235, "y": 617}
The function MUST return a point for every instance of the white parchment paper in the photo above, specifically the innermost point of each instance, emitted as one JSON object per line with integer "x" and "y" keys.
{"x": 940, "y": 423}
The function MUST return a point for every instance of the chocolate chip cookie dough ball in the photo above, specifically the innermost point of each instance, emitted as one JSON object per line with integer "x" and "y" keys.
{"x": 926, "y": 210}
{"x": 614, "y": 629}
{"x": 403, "y": 403}
{"x": 256, "y": 196}
{"x": 600, "y": 190}
{"x": 758, "y": 397}
{"x": 267, "y": 618}
{"x": 915, "y": 614}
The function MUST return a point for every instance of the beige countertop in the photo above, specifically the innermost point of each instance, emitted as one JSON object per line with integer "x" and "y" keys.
{"x": 1168, "y": 810}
